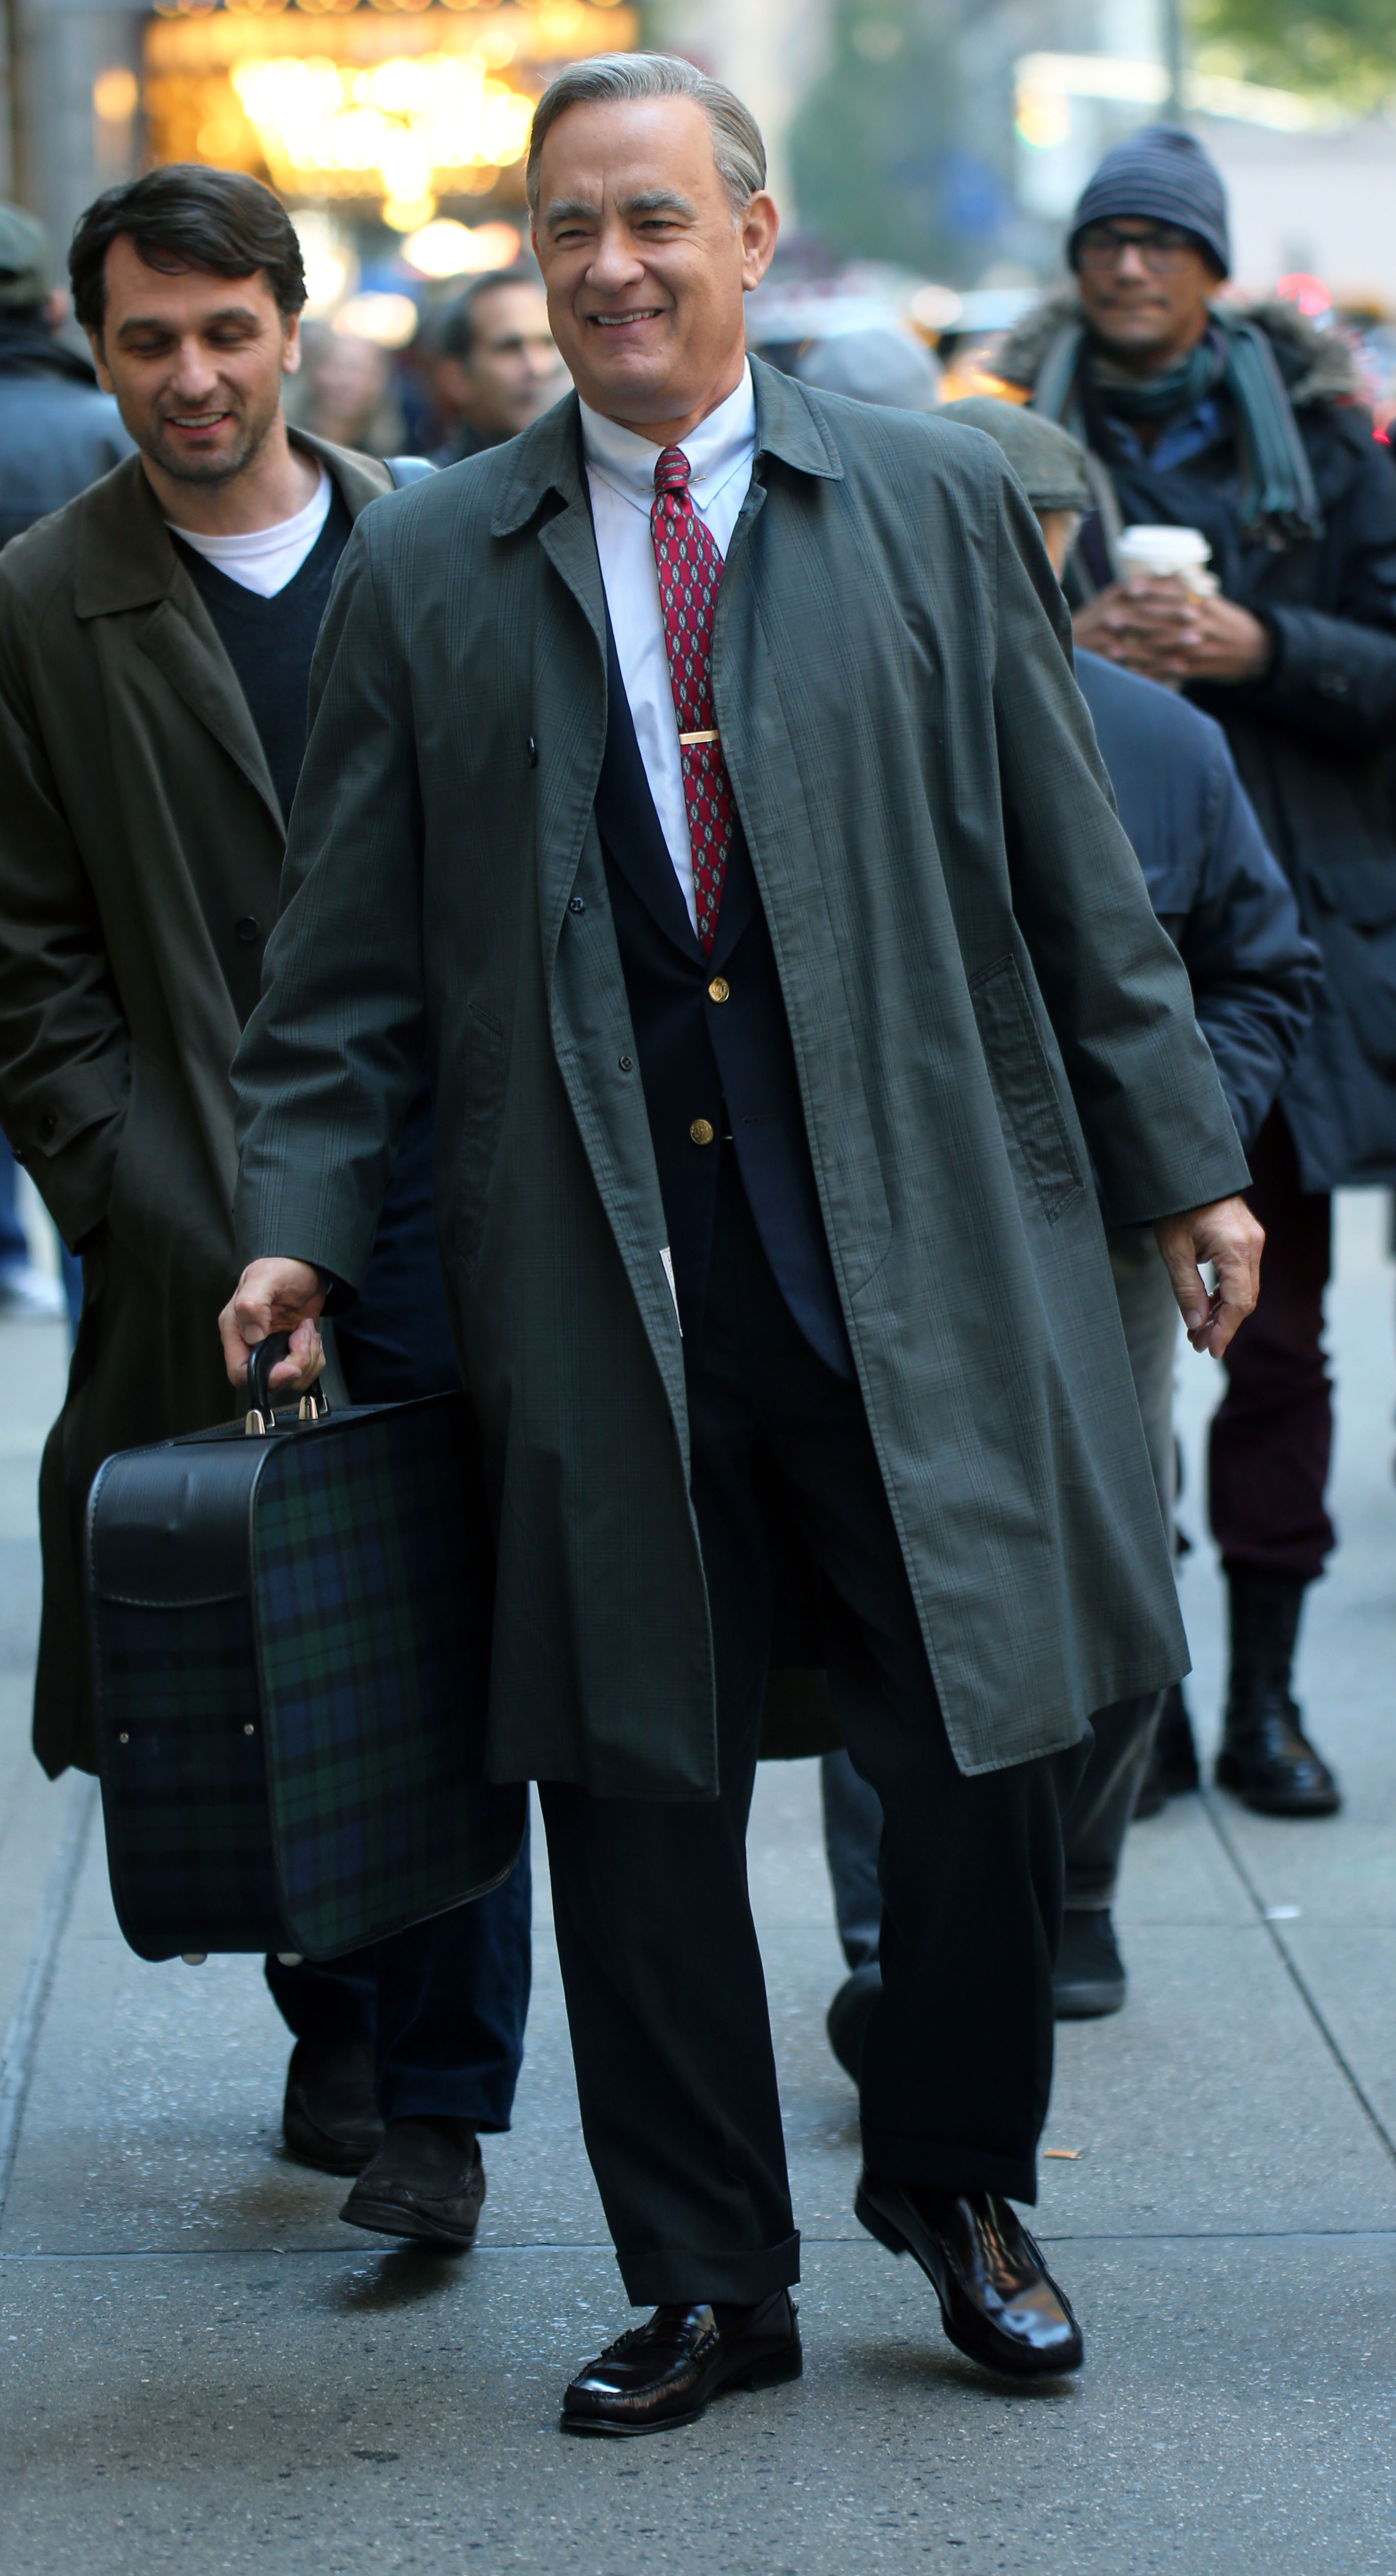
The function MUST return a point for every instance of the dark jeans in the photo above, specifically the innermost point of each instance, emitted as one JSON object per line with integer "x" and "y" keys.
{"x": 443, "y": 2007}
{"x": 1273, "y": 1430}
{"x": 660, "y": 1962}
{"x": 443, "y": 2004}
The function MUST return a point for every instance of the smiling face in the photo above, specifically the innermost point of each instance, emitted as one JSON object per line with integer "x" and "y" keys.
{"x": 646, "y": 261}
{"x": 195, "y": 362}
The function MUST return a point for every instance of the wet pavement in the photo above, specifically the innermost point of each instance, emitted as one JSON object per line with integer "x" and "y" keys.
{"x": 201, "y": 2369}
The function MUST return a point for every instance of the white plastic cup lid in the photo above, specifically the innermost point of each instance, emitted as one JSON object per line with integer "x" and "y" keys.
{"x": 1164, "y": 550}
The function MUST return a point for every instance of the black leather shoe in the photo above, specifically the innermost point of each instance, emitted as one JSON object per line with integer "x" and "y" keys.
{"x": 998, "y": 2301}
{"x": 427, "y": 2180}
{"x": 330, "y": 2119}
{"x": 1173, "y": 1769}
{"x": 850, "y": 2013}
{"x": 662, "y": 2375}
{"x": 1089, "y": 1976}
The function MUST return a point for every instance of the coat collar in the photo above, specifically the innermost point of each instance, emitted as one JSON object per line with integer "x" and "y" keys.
{"x": 548, "y": 457}
{"x": 126, "y": 560}
{"x": 125, "y": 554}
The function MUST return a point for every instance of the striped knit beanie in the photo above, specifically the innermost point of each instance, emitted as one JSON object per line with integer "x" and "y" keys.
{"x": 1162, "y": 175}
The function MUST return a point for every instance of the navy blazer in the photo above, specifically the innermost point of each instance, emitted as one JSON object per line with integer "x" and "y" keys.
{"x": 714, "y": 1051}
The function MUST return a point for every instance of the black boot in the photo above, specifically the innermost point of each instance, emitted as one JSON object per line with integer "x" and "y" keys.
{"x": 1173, "y": 1769}
{"x": 1264, "y": 1756}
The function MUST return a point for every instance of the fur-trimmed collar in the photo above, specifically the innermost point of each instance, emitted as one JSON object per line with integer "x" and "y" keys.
{"x": 1317, "y": 366}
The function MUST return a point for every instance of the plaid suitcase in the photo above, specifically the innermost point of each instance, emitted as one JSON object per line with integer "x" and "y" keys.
{"x": 290, "y": 1636}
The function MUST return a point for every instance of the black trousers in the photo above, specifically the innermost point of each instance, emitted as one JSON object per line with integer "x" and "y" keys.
{"x": 1272, "y": 1433}
{"x": 660, "y": 1963}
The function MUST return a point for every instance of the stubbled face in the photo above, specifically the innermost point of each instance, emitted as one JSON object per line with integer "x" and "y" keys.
{"x": 644, "y": 260}
{"x": 513, "y": 373}
{"x": 1147, "y": 317}
{"x": 195, "y": 362}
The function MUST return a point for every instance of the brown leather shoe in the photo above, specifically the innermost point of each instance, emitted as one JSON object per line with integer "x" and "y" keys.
{"x": 662, "y": 2374}
{"x": 427, "y": 2180}
{"x": 998, "y": 2301}
{"x": 329, "y": 2118}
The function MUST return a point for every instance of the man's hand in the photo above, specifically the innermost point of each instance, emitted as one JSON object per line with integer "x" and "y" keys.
{"x": 1164, "y": 631}
{"x": 1228, "y": 1235}
{"x": 275, "y": 1297}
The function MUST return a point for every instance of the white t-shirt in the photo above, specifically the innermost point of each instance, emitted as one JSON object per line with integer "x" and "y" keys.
{"x": 265, "y": 559}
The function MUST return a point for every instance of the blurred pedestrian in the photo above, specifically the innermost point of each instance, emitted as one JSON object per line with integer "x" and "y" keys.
{"x": 58, "y": 432}
{"x": 1228, "y": 908}
{"x": 1249, "y": 427}
{"x": 155, "y": 645}
{"x": 496, "y": 368}
{"x": 704, "y": 772}
{"x": 880, "y": 365}
{"x": 345, "y": 393}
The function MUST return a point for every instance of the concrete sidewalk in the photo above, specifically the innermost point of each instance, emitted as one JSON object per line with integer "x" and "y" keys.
{"x": 201, "y": 2370}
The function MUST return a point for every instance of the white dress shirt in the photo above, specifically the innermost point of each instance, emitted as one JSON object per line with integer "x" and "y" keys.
{"x": 620, "y": 471}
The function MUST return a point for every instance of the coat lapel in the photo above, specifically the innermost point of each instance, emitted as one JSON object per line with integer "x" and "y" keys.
{"x": 570, "y": 701}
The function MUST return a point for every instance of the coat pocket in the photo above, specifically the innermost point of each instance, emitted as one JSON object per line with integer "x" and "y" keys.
{"x": 1023, "y": 1081}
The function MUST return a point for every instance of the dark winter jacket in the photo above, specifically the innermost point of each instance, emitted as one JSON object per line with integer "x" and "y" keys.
{"x": 1312, "y": 735}
{"x": 57, "y": 432}
{"x": 1222, "y": 898}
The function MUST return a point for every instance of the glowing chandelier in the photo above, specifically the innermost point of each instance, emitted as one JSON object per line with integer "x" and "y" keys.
{"x": 410, "y": 128}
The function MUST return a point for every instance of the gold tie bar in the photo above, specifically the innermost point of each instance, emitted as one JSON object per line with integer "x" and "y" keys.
{"x": 686, "y": 738}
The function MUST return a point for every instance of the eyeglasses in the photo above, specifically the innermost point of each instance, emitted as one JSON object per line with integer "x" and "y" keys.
{"x": 1160, "y": 247}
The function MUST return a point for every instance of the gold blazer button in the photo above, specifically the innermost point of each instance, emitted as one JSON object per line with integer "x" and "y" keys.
{"x": 702, "y": 1131}
{"x": 719, "y": 989}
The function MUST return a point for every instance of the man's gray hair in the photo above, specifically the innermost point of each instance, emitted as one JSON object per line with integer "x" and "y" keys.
{"x": 738, "y": 149}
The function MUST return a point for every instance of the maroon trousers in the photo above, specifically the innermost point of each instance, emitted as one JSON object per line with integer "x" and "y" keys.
{"x": 1273, "y": 1431}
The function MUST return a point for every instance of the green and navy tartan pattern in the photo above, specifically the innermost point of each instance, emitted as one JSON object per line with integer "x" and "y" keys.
{"x": 186, "y": 1792}
{"x": 371, "y": 1577}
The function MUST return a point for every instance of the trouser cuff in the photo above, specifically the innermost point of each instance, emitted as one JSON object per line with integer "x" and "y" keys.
{"x": 409, "y": 2098}
{"x": 917, "y": 2165}
{"x": 682, "y": 2275}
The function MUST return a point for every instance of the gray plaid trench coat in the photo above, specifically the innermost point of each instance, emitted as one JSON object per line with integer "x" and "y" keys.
{"x": 982, "y": 1005}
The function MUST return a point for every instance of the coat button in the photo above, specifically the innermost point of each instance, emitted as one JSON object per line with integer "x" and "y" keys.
{"x": 247, "y": 931}
{"x": 48, "y": 1126}
{"x": 627, "y": 1063}
{"x": 702, "y": 1131}
{"x": 532, "y": 753}
{"x": 576, "y": 904}
{"x": 719, "y": 989}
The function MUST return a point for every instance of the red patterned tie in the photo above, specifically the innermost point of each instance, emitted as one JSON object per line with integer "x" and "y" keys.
{"x": 690, "y": 569}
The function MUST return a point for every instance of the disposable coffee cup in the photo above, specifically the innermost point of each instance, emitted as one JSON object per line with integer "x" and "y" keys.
{"x": 1182, "y": 554}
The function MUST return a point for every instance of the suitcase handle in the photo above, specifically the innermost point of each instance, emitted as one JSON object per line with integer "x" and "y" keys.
{"x": 261, "y": 1412}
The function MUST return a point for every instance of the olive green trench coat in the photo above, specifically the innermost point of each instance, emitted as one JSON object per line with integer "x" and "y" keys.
{"x": 981, "y": 1005}
{"x": 140, "y": 859}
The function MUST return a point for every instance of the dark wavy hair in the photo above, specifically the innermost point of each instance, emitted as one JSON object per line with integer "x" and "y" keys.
{"x": 184, "y": 216}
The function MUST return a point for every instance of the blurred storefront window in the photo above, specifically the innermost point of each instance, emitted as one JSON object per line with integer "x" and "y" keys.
{"x": 391, "y": 109}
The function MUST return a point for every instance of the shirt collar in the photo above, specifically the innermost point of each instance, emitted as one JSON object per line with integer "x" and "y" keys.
{"x": 723, "y": 442}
